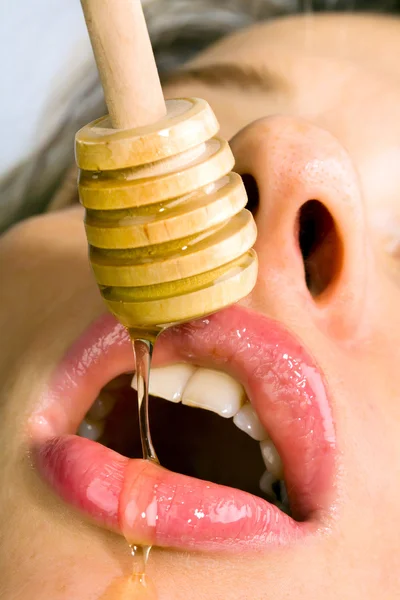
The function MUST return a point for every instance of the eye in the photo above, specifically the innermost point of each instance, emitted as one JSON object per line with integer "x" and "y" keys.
{"x": 253, "y": 196}
{"x": 320, "y": 246}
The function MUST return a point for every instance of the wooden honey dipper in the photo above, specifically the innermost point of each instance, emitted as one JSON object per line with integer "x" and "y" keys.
{"x": 169, "y": 236}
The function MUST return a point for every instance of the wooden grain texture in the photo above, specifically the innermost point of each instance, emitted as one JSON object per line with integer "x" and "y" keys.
{"x": 170, "y": 239}
{"x": 187, "y": 123}
{"x": 185, "y": 299}
{"x": 125, "y": 61}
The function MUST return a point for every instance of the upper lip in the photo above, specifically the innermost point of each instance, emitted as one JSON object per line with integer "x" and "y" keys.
{"x": 282, "y": 382}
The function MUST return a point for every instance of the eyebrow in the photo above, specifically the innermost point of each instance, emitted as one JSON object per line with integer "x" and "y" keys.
{"x": 228, "y": 74}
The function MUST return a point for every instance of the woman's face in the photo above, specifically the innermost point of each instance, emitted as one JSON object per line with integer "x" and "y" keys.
{"x": 313, "y": 107}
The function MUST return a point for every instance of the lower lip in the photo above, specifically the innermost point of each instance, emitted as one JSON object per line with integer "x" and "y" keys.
{"x": 155, "y": 507}
{"x": 152, "y": 506}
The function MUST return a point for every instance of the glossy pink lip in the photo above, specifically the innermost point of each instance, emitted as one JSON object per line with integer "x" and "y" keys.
{"x": 151, "y": 505}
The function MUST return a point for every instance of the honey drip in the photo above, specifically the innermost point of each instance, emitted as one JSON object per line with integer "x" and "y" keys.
{"x": 139, "y": 584}
{"x": 143, "y": 349}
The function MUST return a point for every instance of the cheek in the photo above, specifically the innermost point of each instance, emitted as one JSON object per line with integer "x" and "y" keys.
{"x": 48, "y": 298}
{"x": 44, "y": 272}
{"x": 42, "y": 557}
{"x": 367, "y": 422}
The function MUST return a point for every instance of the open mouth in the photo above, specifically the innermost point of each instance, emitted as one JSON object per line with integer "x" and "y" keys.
{"x": 240, "y": 421}
{"x": 238, "y": 451}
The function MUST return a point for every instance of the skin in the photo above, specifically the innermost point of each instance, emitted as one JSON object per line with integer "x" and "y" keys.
{"x": 341, "y": 74}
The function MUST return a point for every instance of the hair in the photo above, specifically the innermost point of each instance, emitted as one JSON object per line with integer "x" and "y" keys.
{"x": 179, "y": 29}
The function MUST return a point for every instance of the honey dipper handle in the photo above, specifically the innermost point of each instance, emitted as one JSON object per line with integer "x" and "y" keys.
{"x": 125, "y": 60}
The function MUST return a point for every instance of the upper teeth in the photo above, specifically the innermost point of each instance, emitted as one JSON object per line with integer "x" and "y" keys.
{"x": 215, "y": 391}
{"x": 203, "y": 388}
{"x": 271, "y": 458}
{"x": 169, "y": 382}
{"x": 246, "y": 419}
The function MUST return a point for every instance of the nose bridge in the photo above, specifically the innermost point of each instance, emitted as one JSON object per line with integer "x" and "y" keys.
{"x": 294, "y": 163}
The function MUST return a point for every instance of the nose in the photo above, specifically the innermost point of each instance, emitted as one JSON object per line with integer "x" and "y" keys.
{"x": 312, "y": 243}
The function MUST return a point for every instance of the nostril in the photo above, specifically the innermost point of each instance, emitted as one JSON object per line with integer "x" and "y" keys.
{"x": 253, "y": 195}
{"x": 320, "y": 246}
